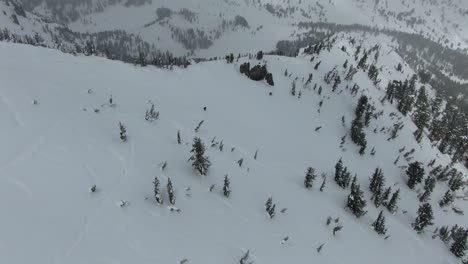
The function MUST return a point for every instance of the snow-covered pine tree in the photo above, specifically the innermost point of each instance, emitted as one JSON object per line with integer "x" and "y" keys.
{"x": 363, "y": 62}
{"x": 373, "y": 74}
{"x": 336, "y": 82}
{"x": 309, "y": 178}
{"x": 429, "y": 185}
{"x": 123, "y": 132}
{"x": 415, "y": 174}
{"x": 456, "y": 182}
{"x": 179, "y": 140}
{"x": 377, "y": 197}
{"x": 379, "y": 224}
{"x": 200, "y": 162}
{"x": 356, "y": 202}
{"x": 392, "y": 205}
{"x": 346, "y": 177}
{"x": 157, "y": 192}
{"x": 444, "y": 234}
{"x": 459, "y": 245}
{"x": 170, "y": 191}
{"x": 339, "y": 171}
{"x": 386, "y": 196}
{"x": 424, "y": 219}
{"x": 376, "y": 180}
{"x": 448, "y": 199}
{"x": 227, "y": 186}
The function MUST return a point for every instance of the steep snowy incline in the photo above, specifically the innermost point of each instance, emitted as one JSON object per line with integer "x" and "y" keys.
{"x": 54, "y": 150}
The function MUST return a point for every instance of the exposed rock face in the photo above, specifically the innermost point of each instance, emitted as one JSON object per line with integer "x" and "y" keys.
{"x": 257, "y": 73}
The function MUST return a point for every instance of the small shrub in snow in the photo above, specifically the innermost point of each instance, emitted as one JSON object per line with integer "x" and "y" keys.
{"x": 123, "y": 132}
{"x": 170, "y": 191}
{"x": 227, "y": 186}
{"x": 157, "y": 192}
{"x": 270, "y": 207}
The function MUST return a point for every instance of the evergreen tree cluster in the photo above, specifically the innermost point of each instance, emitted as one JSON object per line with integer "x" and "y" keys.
{"x": 357, "y": 133}
{"x": 342, "y": 175}
{"x": 415, "y": 173}
{"x": 356, "y": 201}
{"x": 429, "y": 185}
{"x": 424, "y": 218}
{"x": 377, "y": 185}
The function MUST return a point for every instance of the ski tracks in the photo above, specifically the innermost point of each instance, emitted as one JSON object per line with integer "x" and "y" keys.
{"x": 12, "y": 110}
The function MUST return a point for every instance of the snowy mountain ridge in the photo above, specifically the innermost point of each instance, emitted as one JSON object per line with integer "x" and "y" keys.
{"x": 183, "y": 27}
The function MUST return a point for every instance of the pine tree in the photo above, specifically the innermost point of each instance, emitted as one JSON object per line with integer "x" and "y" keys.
{"x": 339, "y": 171}
{"x": 377, "y": 180}
{"x": 447, "y": 199}
{"x": 363, "y": 62}
{"x": 200, "y": 162}
{"x": 386, "y": 195}
{"x": 377, "y": 197}
{"x": 459, "y": 246}
{"x": 309, "y": 178}
{"x": 415, "y": 174}
{"x": 226, "y": 187}
{"x": 444, "y": 234}
{"x": 356, "y": 202}
{"x": 429, "y": 185}
{"x": 456, "y": 182}
{"x": 392, "y": 205}
{"x": 179, "y": 140}
{"x": 123, "y": 132}
{"x": 424, "y": 219}
{"x": 379, "y": 224}
{"x": 170, "y": 191}
{"x": 373, "y": 74}
{"x": 157, "y": 192}
{"x": 293, "y": 88}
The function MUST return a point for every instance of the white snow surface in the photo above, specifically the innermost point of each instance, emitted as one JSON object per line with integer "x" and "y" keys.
{"x": 53, "y": 152}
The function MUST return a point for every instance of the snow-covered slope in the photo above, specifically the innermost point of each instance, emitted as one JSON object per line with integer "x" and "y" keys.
{"x": 53, "y": 151}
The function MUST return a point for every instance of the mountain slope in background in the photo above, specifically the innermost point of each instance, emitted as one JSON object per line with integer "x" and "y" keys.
{"x": 208, "y": 28}
{"x": 54, "y": 150}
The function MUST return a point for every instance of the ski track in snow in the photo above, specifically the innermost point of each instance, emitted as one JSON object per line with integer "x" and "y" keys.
{"x": 28, "y": 152}
{"x": 13, "y": 110}
{"x": 23, "y": 186}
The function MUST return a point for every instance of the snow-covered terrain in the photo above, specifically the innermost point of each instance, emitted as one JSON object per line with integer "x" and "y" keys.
{"x": 52, "y": 151}
{"x": 207, "y": 28}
